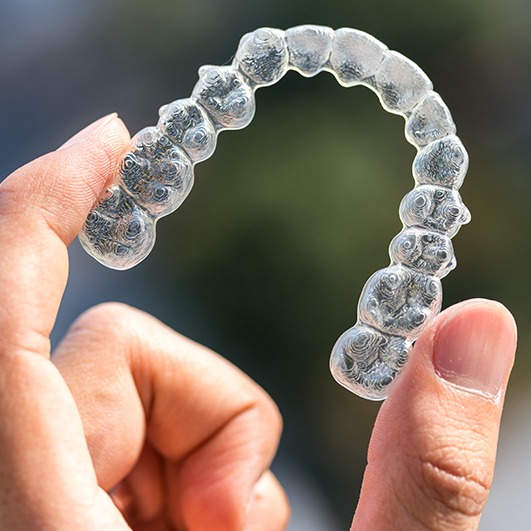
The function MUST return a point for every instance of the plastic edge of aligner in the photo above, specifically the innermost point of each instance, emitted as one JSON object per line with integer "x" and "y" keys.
{"x": 462, "y": 172}
{"x": 360, "y": 390}
{"x": 414, "y": 334}
{"x": 206, "y": 117}
{"x": 218, "y": 127}
{"x": 356, "y": 388}
{"x": 151, "y": 218}
{"x": 405, "y": 113}
{"x": 409, "y": 138}
{"x": 325, "y": 29}
{"x": 466, "y": 215}
{"x": 325, "y": 67}
{"x": 352, "y": 386}
{"x": 122, "y": 267}
{"x": 367, "y": 82}
{"x": 236, "y": 62}
{"x": 113, "y": 265}
{"x": 445, "y": 272}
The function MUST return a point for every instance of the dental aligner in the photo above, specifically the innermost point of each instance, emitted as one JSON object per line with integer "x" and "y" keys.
{"x": 397, "y": 302}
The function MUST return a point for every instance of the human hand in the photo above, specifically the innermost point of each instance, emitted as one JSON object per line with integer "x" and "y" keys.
{"x": 180, "y": 437}
{"x": 433, "y": 448}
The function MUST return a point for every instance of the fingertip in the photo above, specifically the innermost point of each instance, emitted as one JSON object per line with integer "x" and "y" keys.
{"x": 472, "y": 347}
{"x": 465, "y": 322}
{"x": 433, "y": 448}
{"x": 61, "y": 187}
{"x": 66, "y": 183}
{"x": 89, "y": 130}
{"x": 43, "y": 205}
{"x": 224, "y": 473}
{"x": 97, "y": 149}
{"x": 485, "y": 307}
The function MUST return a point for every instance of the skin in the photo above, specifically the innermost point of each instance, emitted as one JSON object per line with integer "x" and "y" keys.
{"x": 132, "y": 426}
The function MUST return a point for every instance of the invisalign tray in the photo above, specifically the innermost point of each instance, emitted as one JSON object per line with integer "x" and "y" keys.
{"x": 397, "y": 302}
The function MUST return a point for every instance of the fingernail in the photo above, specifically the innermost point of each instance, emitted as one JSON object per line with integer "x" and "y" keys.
{"x": 475, "y": 347}
{"x": 88, "y": 131}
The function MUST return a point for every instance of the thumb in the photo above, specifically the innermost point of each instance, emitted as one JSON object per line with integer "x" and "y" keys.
{"x": 433, "y": 448}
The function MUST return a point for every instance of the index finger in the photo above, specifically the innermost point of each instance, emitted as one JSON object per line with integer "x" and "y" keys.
{"x": 42, "y": 207}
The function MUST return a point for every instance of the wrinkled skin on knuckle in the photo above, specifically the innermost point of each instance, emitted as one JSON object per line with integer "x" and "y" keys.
{"x": 450, "y": 491}
{"x": 107, "y": 334}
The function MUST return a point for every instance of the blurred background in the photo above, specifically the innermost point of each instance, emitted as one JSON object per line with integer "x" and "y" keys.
{"x": 266, "y": 259}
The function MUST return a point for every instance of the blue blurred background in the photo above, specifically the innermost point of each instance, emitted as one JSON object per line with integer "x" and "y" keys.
{"x": 266, "y": 259}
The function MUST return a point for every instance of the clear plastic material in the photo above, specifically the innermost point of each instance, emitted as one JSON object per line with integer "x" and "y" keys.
{"x": 189, "y": 127}
{"x": 226, "y": 96}
{"x": 309, "y": 48}
{"x": 443, "y": 162}
{"x": 423, "y": 251}
{"x": 435, "y": 208}
{"x": 367, "y": 361}
{"x": 156, "y": 174}
{"x": 400, "y": 83}
{"x": 355, "y": 57}
{"x": 430, "y": 120}
{"x": 118, "y": 232}
{"x": 397, "y": 302}
{"x": 263, "y": 56}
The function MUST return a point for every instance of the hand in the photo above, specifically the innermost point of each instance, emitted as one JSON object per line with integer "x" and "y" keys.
{"x": 178, "y": 436}
{"x": 433, "y": 447}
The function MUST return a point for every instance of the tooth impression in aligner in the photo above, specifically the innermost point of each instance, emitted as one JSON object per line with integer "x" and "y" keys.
{"x": 157, "y": 173}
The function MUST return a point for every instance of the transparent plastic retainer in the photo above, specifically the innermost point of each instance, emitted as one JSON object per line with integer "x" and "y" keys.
{"x": 397, "y": 303}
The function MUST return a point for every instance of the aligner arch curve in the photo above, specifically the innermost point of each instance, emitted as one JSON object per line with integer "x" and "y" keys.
{"x": 397, "y": 302}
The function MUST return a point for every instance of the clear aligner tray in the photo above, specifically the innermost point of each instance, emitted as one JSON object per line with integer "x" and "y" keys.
{"x": 157, "y": 173}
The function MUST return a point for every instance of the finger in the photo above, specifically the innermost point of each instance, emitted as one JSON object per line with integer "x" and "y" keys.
{"x": 269, "y": 507}
{"x": 141, "y": 495}
{"x": 268, "y": 510}
{"x": 432, "y": 452}
{"x": 46, "y": 474}
{"x": 42, "y": 207}
{"x": 135, "y": 379}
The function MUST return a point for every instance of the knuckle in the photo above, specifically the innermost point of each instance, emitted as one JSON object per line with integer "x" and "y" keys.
{"x": 448, "y": 478}
{"x": 9, "y": 196}
{"x": 15, "y": 195}
{"x": 268, "y": 410}
{"x": 110, "y": 318}
{"x": 273, "y": 414}
{"x": 259, "y": 409}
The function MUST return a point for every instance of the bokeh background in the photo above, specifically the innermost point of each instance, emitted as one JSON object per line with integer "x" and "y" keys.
{"x": 265, "y": 260}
